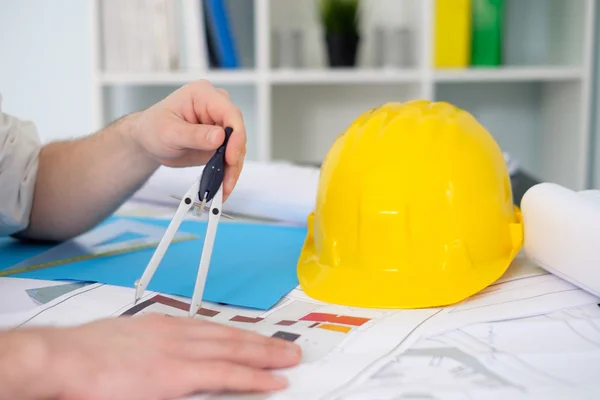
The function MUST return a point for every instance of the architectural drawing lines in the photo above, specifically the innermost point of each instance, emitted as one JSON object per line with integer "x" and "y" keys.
{"x": 73, "y": 294}
{"x": 463, "y": 309}
{"x": 520, "y": 278}
{"x": 594, "y": 325}
{"x": 473, "y": 366}
{"x": 365, "y": 373}
{"x": 581, "y": 335}
{"x": 494, "y": 351}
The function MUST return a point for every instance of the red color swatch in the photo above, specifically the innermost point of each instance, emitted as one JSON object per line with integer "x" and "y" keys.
{"x": 167, "y": 301}
{"x": 241, "y": 318}
{"x": 338, "y": 319}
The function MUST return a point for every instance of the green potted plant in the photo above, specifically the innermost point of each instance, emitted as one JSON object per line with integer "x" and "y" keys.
{"x": 340, "y": 20}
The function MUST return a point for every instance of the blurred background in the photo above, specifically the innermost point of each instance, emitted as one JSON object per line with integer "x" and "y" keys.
{"x": 302, "y": 70}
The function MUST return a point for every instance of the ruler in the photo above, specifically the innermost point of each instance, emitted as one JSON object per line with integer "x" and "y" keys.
{"x": 143, "y": 244}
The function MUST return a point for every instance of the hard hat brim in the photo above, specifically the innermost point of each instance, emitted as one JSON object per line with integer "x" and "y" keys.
{"x": 389, "y": 288}
{"x": 386, "y": 289}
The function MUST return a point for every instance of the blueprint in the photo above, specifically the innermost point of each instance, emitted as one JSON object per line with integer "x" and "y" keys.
{"x": 529, "y": 335}
{"x": 553, "y": 356}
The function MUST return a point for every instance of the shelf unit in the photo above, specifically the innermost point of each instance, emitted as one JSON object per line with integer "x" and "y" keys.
{"x": 537, "y": 105}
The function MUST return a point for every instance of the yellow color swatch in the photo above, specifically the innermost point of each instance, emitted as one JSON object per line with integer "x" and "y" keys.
{"x": 337, "y": 328}
{"x": 452, "y": 47}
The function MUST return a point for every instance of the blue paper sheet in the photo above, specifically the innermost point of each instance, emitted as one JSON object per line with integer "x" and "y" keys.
{"x": 252, "y": 265}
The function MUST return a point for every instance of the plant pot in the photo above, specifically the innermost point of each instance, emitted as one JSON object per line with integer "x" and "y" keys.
{"x": 342, "y": 49}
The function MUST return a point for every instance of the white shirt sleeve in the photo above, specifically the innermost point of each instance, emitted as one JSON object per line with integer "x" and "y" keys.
{"x": 19, "y": 151}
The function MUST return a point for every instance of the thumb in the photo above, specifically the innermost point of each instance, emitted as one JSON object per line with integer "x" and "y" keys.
{"x": 196, "y": 136}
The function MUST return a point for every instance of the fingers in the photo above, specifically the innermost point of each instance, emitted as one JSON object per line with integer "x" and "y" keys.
{"x": 232, "y": 174}
{"x": 196, "y": 339}
{"x": 212, "y": 330}
{"x": 193, "y": 377}
{"x": 196, "y": 329}
{"x": 268, "y": 354}
{"x": 158, "y": 356}
{"x": 196, "y": 136}
{"x": 224, "y": 92}
{"x": 213, "y": 105}
{"x": 200, "y": 329}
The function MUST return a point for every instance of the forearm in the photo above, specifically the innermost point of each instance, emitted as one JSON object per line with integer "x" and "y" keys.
{"x": 25, "y": 370}
{"x": 81, "y": 182}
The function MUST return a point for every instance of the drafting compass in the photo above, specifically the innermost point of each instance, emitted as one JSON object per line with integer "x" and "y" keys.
{"x": 209, "y": 188}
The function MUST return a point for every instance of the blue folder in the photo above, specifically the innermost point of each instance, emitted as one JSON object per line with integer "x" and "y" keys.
{"x": 253, "y": 265}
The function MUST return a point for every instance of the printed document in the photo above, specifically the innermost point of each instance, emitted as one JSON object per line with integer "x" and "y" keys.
{"x": 530, "y": 335}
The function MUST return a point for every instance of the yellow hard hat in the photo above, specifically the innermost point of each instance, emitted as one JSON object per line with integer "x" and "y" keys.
{"x": 414, "y": 209}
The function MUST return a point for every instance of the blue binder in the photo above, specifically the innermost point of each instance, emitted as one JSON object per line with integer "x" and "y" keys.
{"x": 221, "y": 34}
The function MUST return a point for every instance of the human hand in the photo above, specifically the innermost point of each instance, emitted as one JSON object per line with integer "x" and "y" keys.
{"x": 142, "y": 357}
{"x": 186, "y": 128}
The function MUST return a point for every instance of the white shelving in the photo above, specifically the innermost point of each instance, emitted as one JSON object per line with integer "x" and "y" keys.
{"x": 511, "y": 74}
{"x": 347, "y": 77}
{"x": 536, "y": 106}
{"x": 179, "y": 78}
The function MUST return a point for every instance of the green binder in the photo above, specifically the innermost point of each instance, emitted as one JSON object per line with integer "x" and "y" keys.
{"x": 486, "y": 46}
